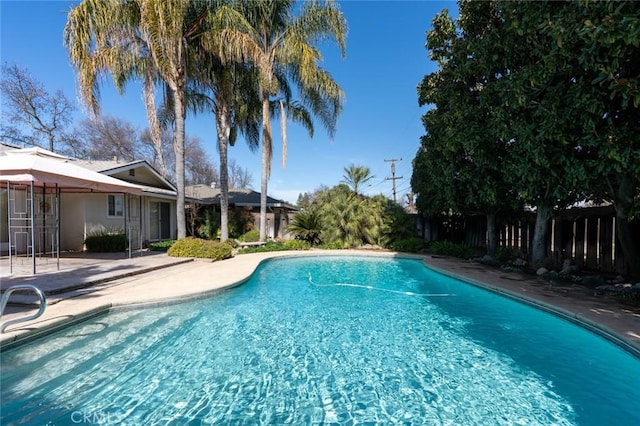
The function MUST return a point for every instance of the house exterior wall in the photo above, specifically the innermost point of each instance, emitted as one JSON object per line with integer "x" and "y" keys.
{"x": 72, "y": 220}
{"x": 83, "y": 214}
{"x": 277, "y": 223}
{"x": 97, "y": 218}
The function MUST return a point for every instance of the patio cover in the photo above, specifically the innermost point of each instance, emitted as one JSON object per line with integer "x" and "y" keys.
{"x": 42, "y": 168}
{"x": 37, "y": 167}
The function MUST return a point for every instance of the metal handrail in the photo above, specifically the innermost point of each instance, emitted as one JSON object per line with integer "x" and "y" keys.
{"x": 5, "y": 300}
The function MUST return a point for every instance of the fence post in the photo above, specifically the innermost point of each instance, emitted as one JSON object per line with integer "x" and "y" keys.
{"x": 606, "y": 242}
{"x": 580, "y": 240}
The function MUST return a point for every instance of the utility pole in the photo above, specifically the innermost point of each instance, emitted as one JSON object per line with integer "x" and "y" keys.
{"x": 393, "y": 177}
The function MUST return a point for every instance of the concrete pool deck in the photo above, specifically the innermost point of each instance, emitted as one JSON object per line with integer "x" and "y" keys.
{"x": 88, "y": 286}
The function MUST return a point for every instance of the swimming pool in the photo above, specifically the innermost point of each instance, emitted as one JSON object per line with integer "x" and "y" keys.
{"x": 305, "y": 341}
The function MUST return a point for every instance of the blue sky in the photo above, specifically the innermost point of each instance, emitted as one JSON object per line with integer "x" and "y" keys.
{"x": 385, "y": 60}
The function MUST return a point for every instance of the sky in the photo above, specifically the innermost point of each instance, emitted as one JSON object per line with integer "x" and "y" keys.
{"x": 381, "y": 119}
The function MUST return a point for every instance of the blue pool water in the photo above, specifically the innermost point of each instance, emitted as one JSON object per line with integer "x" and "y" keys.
{"x": 304, "y": 341}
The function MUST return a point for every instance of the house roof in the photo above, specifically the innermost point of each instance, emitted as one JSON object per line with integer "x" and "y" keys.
{"x": 139, "y": 172}
{"x": 143, "y": 176}
{"x": 42, "y": 167}
{"x": 239, "y": 197}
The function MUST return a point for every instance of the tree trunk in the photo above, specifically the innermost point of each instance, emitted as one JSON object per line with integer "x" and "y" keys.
{"x": 154, "y": 124}
{"x": 492, "y": 234}
{"x": 630, "y": 248}
{"x": 178, "y": 148}
{"x": 266, "y": 166}
{"x": 224, "y": 130}
{"x": 540, "y": 233}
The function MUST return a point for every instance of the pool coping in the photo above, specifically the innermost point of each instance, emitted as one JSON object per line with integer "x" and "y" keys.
{"x": 573, "y": 317}
{"x": 249, "y": 263}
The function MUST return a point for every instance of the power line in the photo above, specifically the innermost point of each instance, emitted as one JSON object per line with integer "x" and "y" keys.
{"x": 393, "y": 177}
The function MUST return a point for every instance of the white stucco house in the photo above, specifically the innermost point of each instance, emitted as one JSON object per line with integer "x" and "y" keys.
{"x": 51, "y": 203}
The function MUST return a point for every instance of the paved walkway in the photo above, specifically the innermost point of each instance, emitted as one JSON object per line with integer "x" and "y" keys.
{"x": 78, "y": 270}
{"x": 89, "y": 286}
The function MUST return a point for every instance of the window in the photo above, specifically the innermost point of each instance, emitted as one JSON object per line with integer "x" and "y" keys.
{"x": 115, "y": 205}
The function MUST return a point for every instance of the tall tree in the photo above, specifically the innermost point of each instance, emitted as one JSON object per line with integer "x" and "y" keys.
{"x": 104, "y": 36}
{"x": 198, "y": 167}
{"x": 544, "y": 108}
{"x": 108, "y": 137}
{"x": 460, "y": 167}
{"x": 168, "y": 26}
{"x": 31, "y": 105}
{"x": 600, "y": 40}
{"x": 229, "y": 90}
{"x": 284, "y": 46}
{"x": 239, "y": 177}
{"x": 559, "y": 90}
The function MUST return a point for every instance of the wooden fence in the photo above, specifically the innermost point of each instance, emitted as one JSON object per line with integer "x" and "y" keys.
{"x": 586, "y": 236}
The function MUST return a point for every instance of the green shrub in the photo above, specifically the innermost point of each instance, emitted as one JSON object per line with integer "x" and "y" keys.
{"x": 447, "y": 248}
{"x": 209, "y": 224}
{"x": 333, "y": 245}
{"x": 250, "y": 236}
{"x": 202, "y": 249}
{"x": 161, "y": 245}
{"x": 106, "y": 241}
{"x": 629, "y": 296}
{"x": 503, "y": 254}
{"x": 240, "y": 221}
{"x": 297, "y": 245}
{"x": 278, "y": 246}
{"x": 410, "y": 245}
{"x": 268, "y": 246}
{"x": 306, "y": 226}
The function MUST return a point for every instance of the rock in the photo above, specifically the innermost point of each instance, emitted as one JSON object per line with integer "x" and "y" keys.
{"x": 620, "y": 279}
{"x": 568, "y": 268}
{"x": 605, "y": 288}
{"x": 593, "y": 281}
{"x": 520, "y": 262}
{"x": 636, "y": 286}
{"x": 541, "y": 271}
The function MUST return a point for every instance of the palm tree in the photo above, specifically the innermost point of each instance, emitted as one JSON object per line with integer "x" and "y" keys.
{"x": 230, "y": 93}
{"x": 356, "y": 176}
{"x": 350, "y": 220}
{"x": 284, "y": 47}
{"x": 102, "y": 38}
{"x": 169, "y": 26}
{"x": 102, "y": 30}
